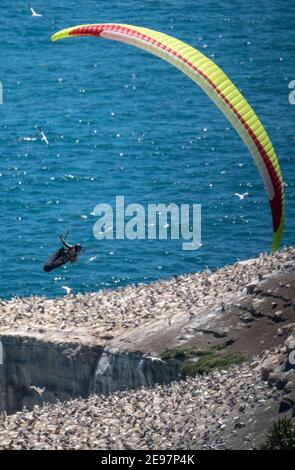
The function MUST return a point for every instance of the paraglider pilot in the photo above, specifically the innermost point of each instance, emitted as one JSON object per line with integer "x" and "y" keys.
{"x": 67, "y": 253}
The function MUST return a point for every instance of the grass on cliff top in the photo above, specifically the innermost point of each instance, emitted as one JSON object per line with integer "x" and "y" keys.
{"x": 281, "y": 436}
{"x": 195, "y": 361}
{"x": 209, "y": 362}
{"x": 182, "y": 354}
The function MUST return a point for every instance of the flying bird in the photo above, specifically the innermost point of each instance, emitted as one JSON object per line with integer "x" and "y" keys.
{"x": 33, "y": 11}
{"x": 155, "y": 359}
{"x": 26, "y": 139}
{"x": 242, "y": 196}
{"x": 43, "y": 136}
{"x": 67, "y": 289}
{"x": 39, "y": 390}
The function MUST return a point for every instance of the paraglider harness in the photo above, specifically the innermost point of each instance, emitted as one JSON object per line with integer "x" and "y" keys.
{"x": 67, "y": 253}
{"x": 67, "y": 249}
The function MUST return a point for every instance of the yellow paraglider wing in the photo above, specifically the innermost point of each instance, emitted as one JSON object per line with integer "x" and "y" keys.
{"x": 218, "y": 87}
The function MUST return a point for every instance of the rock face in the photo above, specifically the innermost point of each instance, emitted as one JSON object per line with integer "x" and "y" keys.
{"x": 124, "y": 371}
{"x": 279, "y": 370}
{"x": 35, "y": 371}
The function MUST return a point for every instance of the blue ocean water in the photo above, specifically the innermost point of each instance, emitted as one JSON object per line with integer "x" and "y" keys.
{"x": 122, "y": 122}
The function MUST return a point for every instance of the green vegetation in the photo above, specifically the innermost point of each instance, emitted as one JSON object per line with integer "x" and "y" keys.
{"x": 195, "y": 361}
{"x": 281, "y": 436}
{"x": 209, "y": 362}
{"x": 182, "y": 354}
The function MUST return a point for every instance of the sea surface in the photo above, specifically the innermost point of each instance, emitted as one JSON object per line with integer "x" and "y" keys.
{"x": 121, "y": 122}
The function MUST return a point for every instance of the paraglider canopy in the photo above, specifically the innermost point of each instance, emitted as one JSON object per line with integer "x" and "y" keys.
{"x": 218, "y": 87}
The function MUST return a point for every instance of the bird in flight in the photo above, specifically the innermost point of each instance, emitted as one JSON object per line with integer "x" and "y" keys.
{"x": 67, "y": 289}
{"x": 43, "y": 136}
{"x": 242, "y": 196}
{"x": 33, "y": 11}
{"x": 153, "y": 359}
{"x": 26, "y": 139}
{"x": 39, "y": 390}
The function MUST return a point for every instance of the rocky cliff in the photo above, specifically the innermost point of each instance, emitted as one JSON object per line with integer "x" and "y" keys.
{"x": 36, "y": 371}
{"x": 155, "y": 340}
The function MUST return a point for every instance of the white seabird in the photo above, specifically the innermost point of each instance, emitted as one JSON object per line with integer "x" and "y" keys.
{"x": 43, "y": 136}
{"x": 33, "y": 11}
{"x": 67, "y": 289}
{"x": 27, "y": 139}
{"x": 157, "y": 359}
{"x": 242, "y": 196}
{"x": 39, "y": 390}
